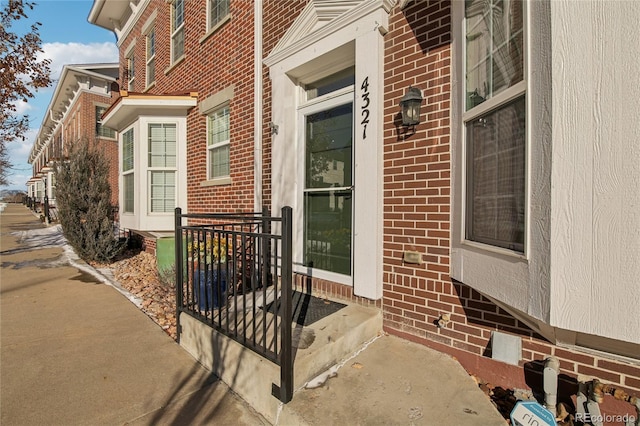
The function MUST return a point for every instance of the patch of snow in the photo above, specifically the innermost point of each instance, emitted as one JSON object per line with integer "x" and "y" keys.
{"x": 51, "y": 237}
{"x": 321, "y": 379}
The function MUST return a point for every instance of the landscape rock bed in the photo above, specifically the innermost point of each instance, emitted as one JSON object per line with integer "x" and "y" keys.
{"x": 137, "y": 273}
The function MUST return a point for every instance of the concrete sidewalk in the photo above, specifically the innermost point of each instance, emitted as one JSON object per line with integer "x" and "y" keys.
{"x": 394, "y": 382}
{"x": 74, "y": 351}
{"x": 77, "y": 352}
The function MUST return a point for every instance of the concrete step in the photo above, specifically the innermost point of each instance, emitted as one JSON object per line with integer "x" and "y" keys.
{"x": 316, "y": 348}
{"x": 333, "y": 338}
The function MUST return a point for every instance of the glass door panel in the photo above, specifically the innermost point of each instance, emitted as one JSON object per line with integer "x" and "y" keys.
{"x": 328, "y": 192}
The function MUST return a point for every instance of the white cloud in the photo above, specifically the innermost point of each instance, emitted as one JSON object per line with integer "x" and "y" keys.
{"x": 22, "y": 107}
{"x": 77, "y": 53}
{"x": 18, "y": 151}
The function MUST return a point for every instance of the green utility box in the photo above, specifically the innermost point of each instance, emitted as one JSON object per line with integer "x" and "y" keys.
{"x": 165, "y": 254}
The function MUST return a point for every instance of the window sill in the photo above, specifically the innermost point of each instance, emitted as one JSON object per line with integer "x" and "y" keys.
{"x": 215, "y": 28}
{"x": 149, "y": 87}
{"x": 114, "y": 139}
{"x": 493, "y": 249}
{"x": 216, "y": 182}
{"x": 175, "y": 64}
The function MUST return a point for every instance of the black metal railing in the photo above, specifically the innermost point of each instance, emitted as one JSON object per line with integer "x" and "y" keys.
{"x": 234, "y": 273}
{"x": 46, "y": 212}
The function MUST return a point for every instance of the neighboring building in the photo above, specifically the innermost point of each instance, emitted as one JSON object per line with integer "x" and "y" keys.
{"x": 175, "y": 56}
{"x": 82, "y": 94}
{"x": 508, "y": 214}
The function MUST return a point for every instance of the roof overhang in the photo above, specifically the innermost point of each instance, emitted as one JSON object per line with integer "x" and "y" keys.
{"x": 107, "y": 14}
{"x": 64, "y": 93}
{"x": 130, "y": 106}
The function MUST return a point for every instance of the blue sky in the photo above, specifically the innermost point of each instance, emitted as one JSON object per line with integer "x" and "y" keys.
{"x": 67, "y": 38}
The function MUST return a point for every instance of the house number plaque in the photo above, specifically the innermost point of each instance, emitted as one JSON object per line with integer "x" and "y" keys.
{"x": 365, "y": 106}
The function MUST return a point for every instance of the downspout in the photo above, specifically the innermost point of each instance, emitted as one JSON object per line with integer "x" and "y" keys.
{"x": 257, "y": 106}
{"x": 53, "y": 138}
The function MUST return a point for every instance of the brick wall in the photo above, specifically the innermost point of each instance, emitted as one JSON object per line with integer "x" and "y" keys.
{"x": 224, "y": 58}
{"x": 417, "y": 189}
{"x": 108, "y": 146}
{"x": 417, "y": 165}
{"x": 148, "y": 244}
{"x": 80, "y": 122}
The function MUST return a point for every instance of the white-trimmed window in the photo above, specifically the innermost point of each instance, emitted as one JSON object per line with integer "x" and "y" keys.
{"x": 151, "y": 55}
{"x": 177, "y": 30}
{"x": 218, "y": 143}
{"x": 495, "y": 123}
{"x": 128, "y": 172}
{"x": 162, "y": 167}
{"x": 102, "y": 131}
{"x": 131, "y": 71}
{"x": 71, "y": 135}
{"x": 40, "y": 191}
{"x": 218, "y": 10}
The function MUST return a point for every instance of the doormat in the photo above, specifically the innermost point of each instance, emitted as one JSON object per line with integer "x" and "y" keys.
{"x": 307, "y": 309}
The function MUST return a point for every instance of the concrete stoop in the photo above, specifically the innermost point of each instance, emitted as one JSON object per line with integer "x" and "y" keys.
{"x": 317, "y": 347}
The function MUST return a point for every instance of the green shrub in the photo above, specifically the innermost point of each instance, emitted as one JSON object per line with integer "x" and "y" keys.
{"x": 83, "y": 199}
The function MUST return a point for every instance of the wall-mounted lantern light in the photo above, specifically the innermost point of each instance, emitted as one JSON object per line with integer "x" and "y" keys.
{"x": 410, "y": 106}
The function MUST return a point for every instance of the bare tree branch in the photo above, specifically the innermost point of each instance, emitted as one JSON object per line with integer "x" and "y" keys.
{"x": 21, "y": 73}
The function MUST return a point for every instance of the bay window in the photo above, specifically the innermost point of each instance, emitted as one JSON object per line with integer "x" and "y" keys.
{"x": 162, "y": 167}
{"x": 128, "y": 172}
{"x": 495, "y": 123}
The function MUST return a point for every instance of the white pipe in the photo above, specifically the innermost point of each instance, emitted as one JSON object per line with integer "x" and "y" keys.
{"x": 550, "y": 383}
{"x": 257, "y": 106}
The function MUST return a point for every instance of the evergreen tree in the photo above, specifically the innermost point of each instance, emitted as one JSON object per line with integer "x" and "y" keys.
{"x": 83, "y": 199}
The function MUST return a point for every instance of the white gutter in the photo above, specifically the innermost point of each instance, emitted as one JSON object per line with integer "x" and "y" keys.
{"x": 257, "y": 106}
{"x": 95, "y": 11}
